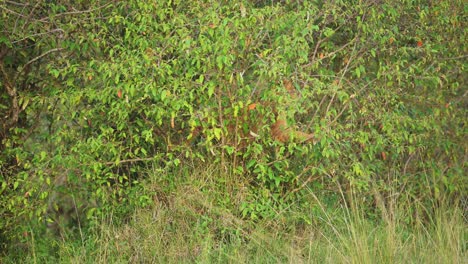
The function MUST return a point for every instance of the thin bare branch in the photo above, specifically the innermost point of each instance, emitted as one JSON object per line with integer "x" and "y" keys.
{"x": 348, "y": 101}
{"x": 36, "y": 59}
{"x": 342, "y": 76}
{"x": 39, "y": 34}
{"x": 77, "y": 12}
{"x": 13, "y": 12}
{"x": 16, "y": 3}
{"x": 128, "y": 161}
{"x": 31, "y": 13}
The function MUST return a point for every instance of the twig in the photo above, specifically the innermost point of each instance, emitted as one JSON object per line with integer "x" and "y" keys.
{"x": 36, "y": 59}
{"x": 128, "y": 161}
{"x": 11, "y": 11}
{"x": 345, "y": 70}
{"x": 318, "y": 108}
{"x": 311, "y": 178}
{"x": 39, "y": 34}
{"x": 347, "y": 103}
{"x": 77, "y": 12}
{"x": 11, "y": 90}
{"x": 16, "y": 3}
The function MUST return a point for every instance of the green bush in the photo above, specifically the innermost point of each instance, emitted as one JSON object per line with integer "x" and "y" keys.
{"x": 101, "y": 96}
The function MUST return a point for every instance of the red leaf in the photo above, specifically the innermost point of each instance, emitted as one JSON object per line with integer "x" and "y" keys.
{"x": 420, "y": 43}
{"x": 119, "y": 93}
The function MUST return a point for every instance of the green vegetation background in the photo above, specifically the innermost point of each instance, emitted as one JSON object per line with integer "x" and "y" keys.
{"x": 125, "y": 134}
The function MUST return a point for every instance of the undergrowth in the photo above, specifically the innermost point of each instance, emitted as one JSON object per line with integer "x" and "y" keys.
{"x": 190, "y": 223}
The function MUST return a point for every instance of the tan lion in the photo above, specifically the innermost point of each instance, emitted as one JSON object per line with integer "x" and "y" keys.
{"x": 280, "y": 131}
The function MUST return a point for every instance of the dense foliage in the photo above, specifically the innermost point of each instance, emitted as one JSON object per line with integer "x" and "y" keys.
{"x": 97, "y": 98}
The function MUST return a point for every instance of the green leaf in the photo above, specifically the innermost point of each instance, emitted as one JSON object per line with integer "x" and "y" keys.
{"x": 211, "y": 89}
{"x": 163, "y": 95}
{"x": 217, "y": 132}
